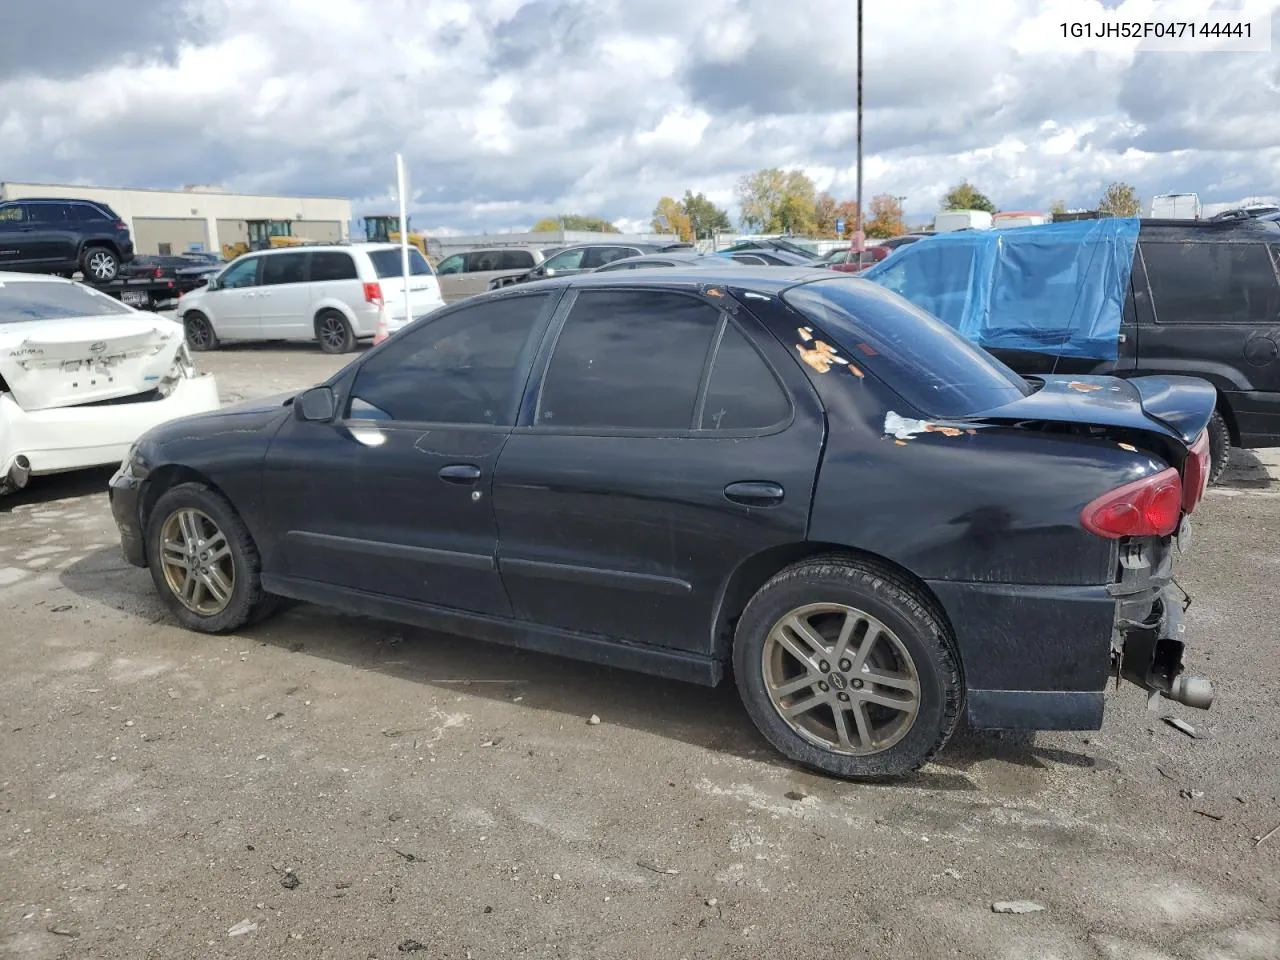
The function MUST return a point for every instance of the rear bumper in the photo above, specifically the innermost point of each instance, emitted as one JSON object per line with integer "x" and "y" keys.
{"x": 1039, "y": 657}
{"x": 72, "y": 438}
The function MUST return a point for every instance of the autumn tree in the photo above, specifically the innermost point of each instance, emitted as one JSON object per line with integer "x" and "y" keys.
{"x": 705, "y": 217}
{"x": 824, "y": 215}
{"x": 574, "y": 221}
{"x": 886, "y": 217}
{"x": 1120, "y": 200}
{"x": 965, "y": 196}
{"x": 669, "y": 217}
{"x": 759, "y": 196}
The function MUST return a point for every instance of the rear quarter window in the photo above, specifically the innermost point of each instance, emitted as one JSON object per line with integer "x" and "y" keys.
{"x": 919, "y": 357}
{"x": 1212, "y": 282}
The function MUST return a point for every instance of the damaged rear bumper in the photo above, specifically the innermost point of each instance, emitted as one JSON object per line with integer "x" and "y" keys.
{"x": 76, "y": 437}
{"x": 1148, "y": 652}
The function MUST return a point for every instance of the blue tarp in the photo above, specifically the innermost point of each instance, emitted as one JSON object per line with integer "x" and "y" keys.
{"x": 1059, "y": 288}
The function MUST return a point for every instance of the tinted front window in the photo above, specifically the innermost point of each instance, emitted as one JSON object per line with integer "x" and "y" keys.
{"x": 466, "y": 366}
{"x": 455, "y": 264}
{"x": 386, "y": 263}
{"x": 567, "y": 260}
{"x": 923, "y": 360}
{"x": 1224, "y": 282}
{"x": 40, "y": 300}
{"x": 628, "y": 359}
{"x": 331, "y": 265}
{"x": 12, "y": 213}
{"x": 283, "y": 268}
{"x": 599, "y": 256}
{"x": 742, "y": 393}
{"x": 242, "y": 273}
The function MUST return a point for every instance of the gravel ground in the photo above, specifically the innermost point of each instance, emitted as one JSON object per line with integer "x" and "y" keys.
{"x": 341, "y": 787}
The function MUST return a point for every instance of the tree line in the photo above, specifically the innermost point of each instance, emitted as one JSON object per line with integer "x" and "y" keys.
{"x": 777, "y": 201}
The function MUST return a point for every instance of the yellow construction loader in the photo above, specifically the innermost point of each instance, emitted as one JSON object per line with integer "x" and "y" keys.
{"x": 263, "y": 235}
{"x": 385, "y": 228}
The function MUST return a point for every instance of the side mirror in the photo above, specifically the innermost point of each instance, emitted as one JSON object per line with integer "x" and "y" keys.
{"x": 211, "y": 283}
{"x": 316, "y": 405}
{"x": 547, "y": 271}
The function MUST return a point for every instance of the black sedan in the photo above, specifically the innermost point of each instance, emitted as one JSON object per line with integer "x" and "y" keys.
{"x": 799, "y": 474}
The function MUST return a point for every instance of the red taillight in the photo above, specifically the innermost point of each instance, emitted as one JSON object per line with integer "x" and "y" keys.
{"x": 1196, "y": 472}
{"x": 121, "y": 225}
{"x": 159, "y": 273}
{"x": 1150, "y": 507}
{"x": 373, "y": 292}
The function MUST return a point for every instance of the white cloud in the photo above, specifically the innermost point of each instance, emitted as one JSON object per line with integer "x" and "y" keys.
{"x": 510, "y": 110}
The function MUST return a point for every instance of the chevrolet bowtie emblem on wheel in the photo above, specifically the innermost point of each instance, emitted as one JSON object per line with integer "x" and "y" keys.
{"x": 838, "y": 681}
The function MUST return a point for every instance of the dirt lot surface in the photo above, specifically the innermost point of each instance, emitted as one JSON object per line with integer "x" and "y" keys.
{"x": 329, "y": 786}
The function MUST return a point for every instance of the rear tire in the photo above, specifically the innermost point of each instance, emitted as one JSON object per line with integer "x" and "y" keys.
{"x": 1219, "y": 446}
{"x": 100, "y": 264}
{"x": 203, "y": 561}
{"x": 883, "y": 704}
{"x": 333, "y": 333}
{"x": 199, "y": 332}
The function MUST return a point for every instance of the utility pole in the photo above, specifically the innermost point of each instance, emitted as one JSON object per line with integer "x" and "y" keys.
{"x": 859, "y": 238}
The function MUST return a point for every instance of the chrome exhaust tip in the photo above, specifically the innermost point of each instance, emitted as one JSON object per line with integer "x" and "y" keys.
{"x": 19, "y": 474}
{"x": 1193, "y": 691}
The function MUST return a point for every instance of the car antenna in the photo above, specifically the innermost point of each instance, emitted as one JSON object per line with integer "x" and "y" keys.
{"x": 1067, "y": 336}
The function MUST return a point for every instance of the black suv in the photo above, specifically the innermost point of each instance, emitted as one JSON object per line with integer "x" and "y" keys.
{"x": 1203, "y": 301}
{"x": 585, "y": 257}
{"x": 63, "y": 236}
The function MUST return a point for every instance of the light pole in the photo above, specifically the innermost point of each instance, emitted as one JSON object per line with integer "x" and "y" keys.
{"x": 902, "y": 212}
{"x": 859, "y": 238}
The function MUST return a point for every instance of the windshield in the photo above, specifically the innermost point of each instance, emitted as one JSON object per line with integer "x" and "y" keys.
{"x": 923, "y": 360}
{"x": 50, "y": 300}
{"x": 387, "y": 263}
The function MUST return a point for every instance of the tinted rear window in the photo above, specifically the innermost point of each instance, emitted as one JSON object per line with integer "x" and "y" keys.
{"x": 386, "y": 263}
{"x": 37, "y": 300}
{"x": 1212, "y": 282}
{"x": 923, "y": 360}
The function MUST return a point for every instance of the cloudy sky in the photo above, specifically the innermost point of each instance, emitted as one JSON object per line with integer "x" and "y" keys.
{"x": 509, "y": 110}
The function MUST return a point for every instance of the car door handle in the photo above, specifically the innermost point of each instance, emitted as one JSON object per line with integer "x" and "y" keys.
{"x": 754, "y": 493}
{"x": 460, "y": 473}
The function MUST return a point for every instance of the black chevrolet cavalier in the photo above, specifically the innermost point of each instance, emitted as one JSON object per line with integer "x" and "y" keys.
{"x": 878, "y": 525}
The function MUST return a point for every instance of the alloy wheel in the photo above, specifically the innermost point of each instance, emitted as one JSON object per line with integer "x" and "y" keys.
{"x": 841, "y": 679}
{"x": 198, "y": 333}
{"x": 196, "y": 558}
{"x": 102, "y": 265}
{"x": 333, "y": 332}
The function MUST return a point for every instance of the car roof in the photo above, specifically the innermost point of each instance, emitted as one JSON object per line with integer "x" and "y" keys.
{"x": 311, "y": 247}
{"x": 768, "y": 280}
{"x": 680, "y": 256}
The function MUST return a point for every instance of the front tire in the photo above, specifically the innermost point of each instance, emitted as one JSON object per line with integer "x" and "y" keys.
{"x": 1219, "y": 446}
{"x": 100, "y": 264}
{"x": 334, "y": 333}
{"x": 847, "y": 668}
{"x": 203, "y": 561}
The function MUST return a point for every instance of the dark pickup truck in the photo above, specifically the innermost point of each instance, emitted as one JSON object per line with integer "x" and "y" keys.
{"x": 1203, "y": 300}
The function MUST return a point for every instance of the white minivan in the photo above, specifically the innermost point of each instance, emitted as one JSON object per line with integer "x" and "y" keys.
{"x": 330, "y": 293}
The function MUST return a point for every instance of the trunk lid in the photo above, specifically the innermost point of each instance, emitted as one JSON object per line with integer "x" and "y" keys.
{"x": 62, "y": 363}
{"x": 1171, "y": 405}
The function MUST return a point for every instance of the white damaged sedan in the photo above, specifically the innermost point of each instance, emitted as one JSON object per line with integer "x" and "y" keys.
{"x": 82, "y": 376}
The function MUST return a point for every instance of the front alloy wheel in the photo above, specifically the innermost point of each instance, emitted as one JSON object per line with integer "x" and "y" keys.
{"x": 199, "y": 567}
{"x": 840, "y": 678}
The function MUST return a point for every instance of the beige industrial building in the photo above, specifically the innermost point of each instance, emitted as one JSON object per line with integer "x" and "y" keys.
{"x": 199, "y": 217}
